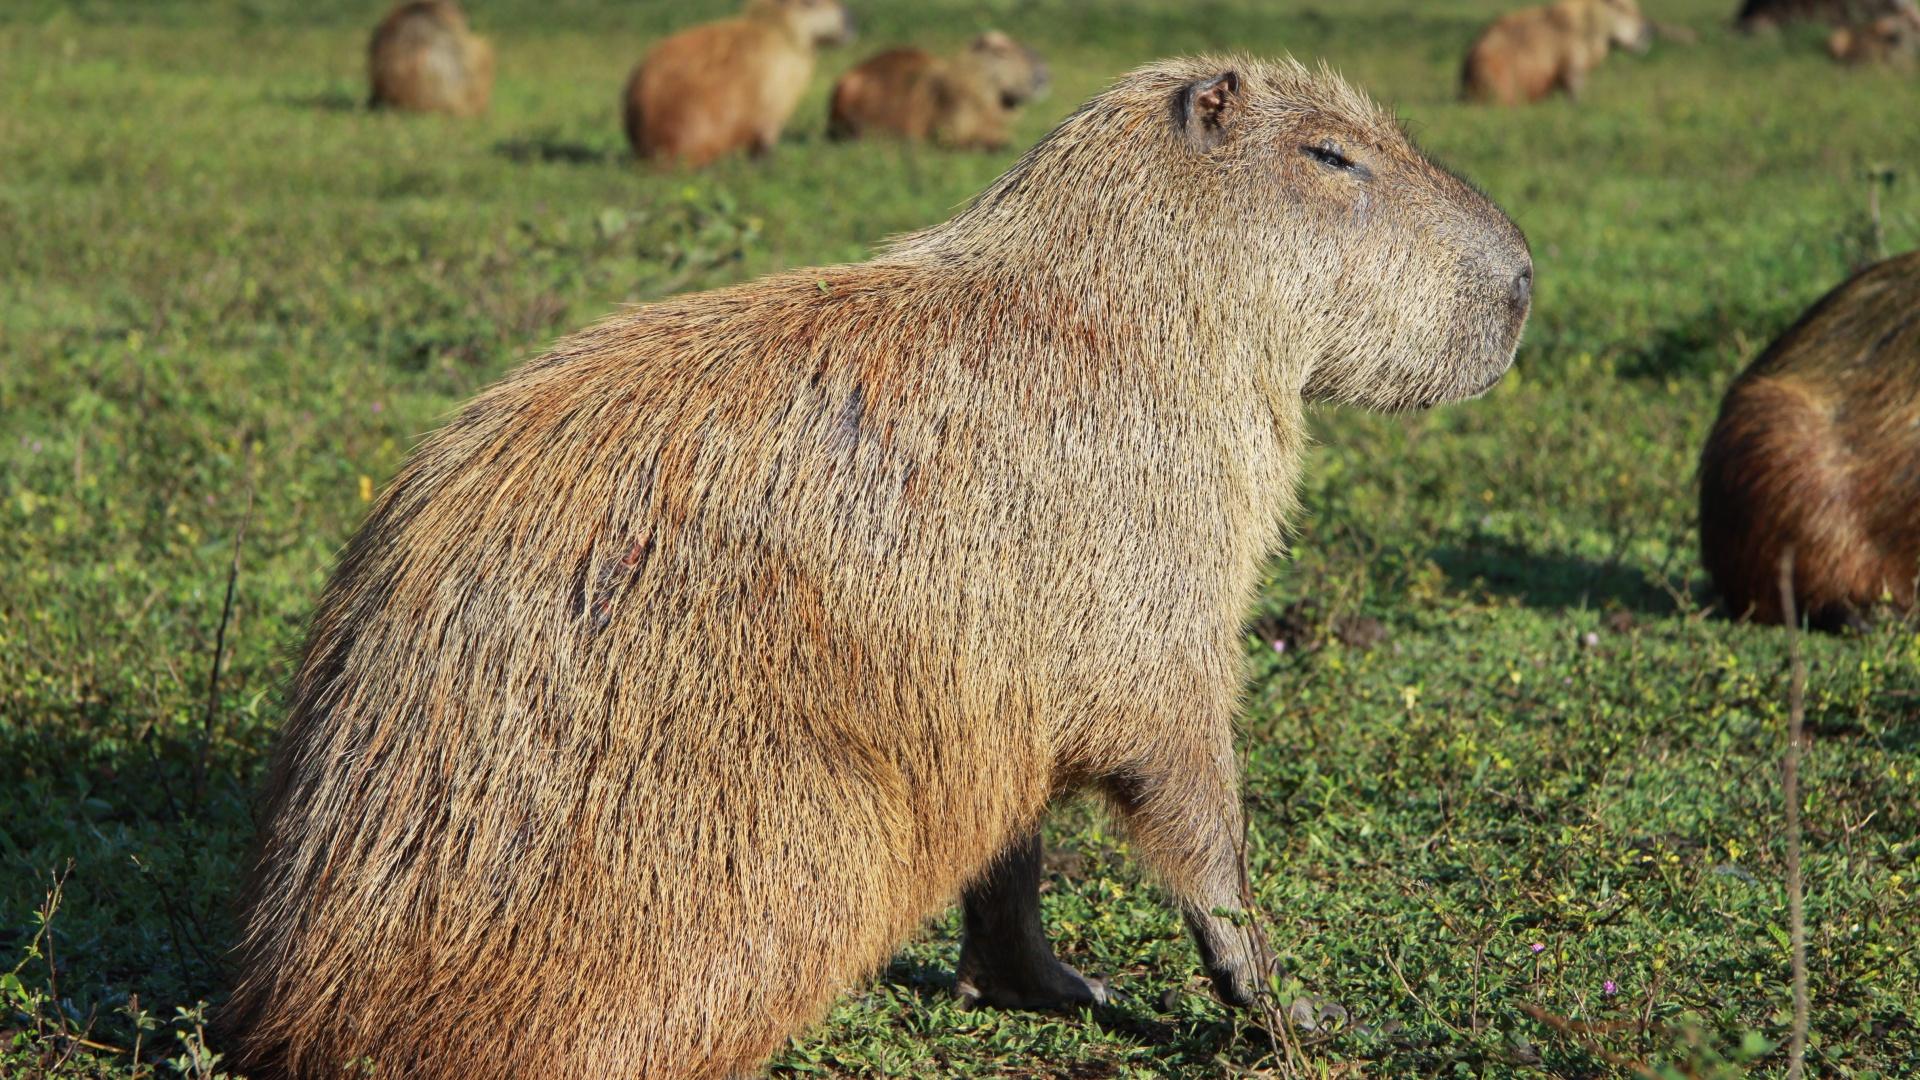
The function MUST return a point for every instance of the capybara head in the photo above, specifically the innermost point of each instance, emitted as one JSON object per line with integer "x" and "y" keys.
{"x": 1293, "y": 204}
{"x": 816, "y": 22}
{"x": 1014, "y": 72}
{"x": 1625, "y": 25}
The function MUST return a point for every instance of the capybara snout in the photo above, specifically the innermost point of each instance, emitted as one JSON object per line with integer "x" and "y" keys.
{"x": 1464, "y": 268}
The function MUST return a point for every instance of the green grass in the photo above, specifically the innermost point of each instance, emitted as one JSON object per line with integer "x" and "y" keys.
{"x": 220, "y": 279}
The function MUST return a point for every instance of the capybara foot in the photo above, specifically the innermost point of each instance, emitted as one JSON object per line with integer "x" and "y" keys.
{"x": 1232, "y": 956}
{"x": 1045, "y": 984}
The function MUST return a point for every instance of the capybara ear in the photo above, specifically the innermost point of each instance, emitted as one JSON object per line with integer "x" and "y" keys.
{"x": 1203, "y": 107}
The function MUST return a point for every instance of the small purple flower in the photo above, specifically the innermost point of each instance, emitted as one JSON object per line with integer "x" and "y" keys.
{"x": 377, "y": 408}
{"x": 1279, "y": 646}
{"x": 1608, "y": 988}
{"x": 1538, "y": 947}
{"x": 1591, "y": 638}
{"x": 38, "y": 446}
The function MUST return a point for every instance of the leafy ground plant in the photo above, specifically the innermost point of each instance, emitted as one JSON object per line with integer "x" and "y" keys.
{"x": 1513, "y": 788}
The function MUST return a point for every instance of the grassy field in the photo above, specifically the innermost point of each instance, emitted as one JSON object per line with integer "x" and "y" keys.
{"x": 1514, "y": 783}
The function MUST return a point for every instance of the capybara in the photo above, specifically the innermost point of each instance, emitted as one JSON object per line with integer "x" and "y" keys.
{"x": 966, "y": 101}
{"x": 1769, "y": 14}
{"x": 1526, "y": 55}
{"x": 686, "y": 671}
{"x": 1817, "y": 451}
{"x": 424, "y": 59}
{"x": 1890, "y": 39}
{"x": 713, "y": 89}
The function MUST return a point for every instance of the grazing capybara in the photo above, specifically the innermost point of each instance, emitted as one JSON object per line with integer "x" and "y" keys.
{"x": 1526, "y": 55}
{"x": 1817, "y": 451}
{"x": 720, "y": 87}
{"x": 1890, "y": 39}
{"x": 691, "y": 667}
{"x": 1769, "y": 14}
{"x": 424, "y": 59}
{"x": 966, "y": 101}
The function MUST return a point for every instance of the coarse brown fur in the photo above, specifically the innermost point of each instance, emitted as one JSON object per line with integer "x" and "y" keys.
{"x": 965, "y": 101}
{"x": 1528, "y": 54}
{"x": 1890, "y": 39}
{"x": 727, "y": 86}
{"x": 1770, "y": 14}
{"x": 692, "y": 666}
{"x": 424, "y": 59}
{"x": 1817, "y": 451}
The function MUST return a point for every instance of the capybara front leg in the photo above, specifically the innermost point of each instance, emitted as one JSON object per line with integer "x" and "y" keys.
{"x": 1188, "y": 822}
{"x": 1005, "y": 958}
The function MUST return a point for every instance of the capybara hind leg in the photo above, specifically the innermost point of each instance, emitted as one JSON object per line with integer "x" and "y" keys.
{"x": 1184, "y": 810}
{"x": 1005, "y": 959}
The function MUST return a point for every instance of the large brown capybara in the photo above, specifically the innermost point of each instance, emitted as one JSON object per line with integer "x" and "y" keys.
{"x": 681, "y": 676}
{"x": 424, "y": 59}
{"x": 1890, "y": 39}
{"x": 726, "y": 86}
{"x": 965, "y": 101}
{"x": 1528, "y": 54}
{"x": 1769, "y": 14}
{"x": 1817, "y": 451}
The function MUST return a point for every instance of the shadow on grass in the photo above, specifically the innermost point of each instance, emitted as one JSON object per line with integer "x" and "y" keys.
{"x": 1128, "y": 1017}
{"x": 551, "y": 150}
{"x": 337, "y": 99}
{"x": 1554, "y": 581}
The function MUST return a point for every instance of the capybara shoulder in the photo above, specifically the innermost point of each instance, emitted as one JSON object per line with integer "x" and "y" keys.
{"x": 685, "y": 672}
{"x": 1816, "y": 451}
{"x": 1528, "y": 54}
{"x": 728, "y": 86}
{"x": 423, "y": 58}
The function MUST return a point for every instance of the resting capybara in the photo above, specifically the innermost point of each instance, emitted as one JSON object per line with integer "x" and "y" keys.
{"x": 966, "y": 101}
{"x": 712, "y": 89}
{"x": 1817, "y": 451}
{"x": 1889, "y": 39}
{"x": 1768, "y": 14}
{"x": 1528, "y": 54}
{"x": 424, "y": 59}
{"x": 687, "y": 670}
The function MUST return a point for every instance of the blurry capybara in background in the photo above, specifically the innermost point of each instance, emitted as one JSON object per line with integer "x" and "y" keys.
{"x": 967, "y": 100}
{"x": 1768, "y": 14}
{"x": 712, "y": 89}
{"x": 424, "y": 59}
{"x": 1817, "y": 451}
{"x": 1889, "y": 39}
{"x": 1528, "y": 54}
{"x": 687, "y": 670}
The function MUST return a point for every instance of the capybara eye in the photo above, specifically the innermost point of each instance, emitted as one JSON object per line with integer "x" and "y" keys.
{"x": 1329, "y": 155}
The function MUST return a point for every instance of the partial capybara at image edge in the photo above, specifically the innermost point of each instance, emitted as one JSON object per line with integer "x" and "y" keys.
{"x": 1528, "y": 54}
{"x": 729, "y": 86}
{"x": 423, "y": 58}
{"x": 1771, "y": 14}
{"x": 1817, "y": 451}
{"x": 690, "y": 668}
{"x": 967, "y": 100}
{"x": 1889, "y": 39}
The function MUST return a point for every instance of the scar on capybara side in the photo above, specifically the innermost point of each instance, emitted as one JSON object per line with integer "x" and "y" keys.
{"x": 424, "y": 59}
{"x": 669, "y": 687}
{"x": 728, "y": 86}
{"x": 1817, "y": 451}
{"x": 1769, "y": 14}
{"x": 965, "y": 101}
{"x": 1528, "y": 54}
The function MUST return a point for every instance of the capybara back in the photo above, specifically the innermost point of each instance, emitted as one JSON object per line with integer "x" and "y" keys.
{"x": 424, "y": 59}
{"x": 1816, "y": 451}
